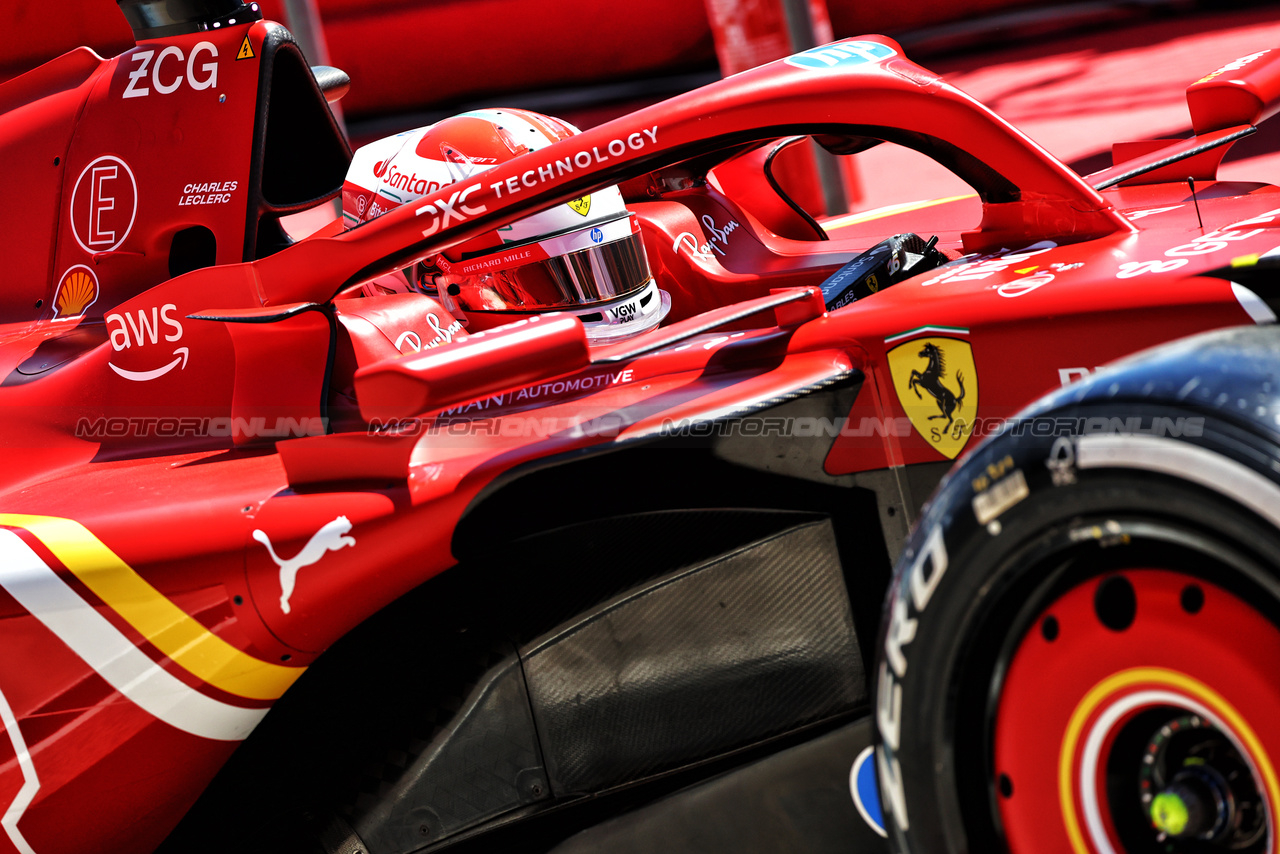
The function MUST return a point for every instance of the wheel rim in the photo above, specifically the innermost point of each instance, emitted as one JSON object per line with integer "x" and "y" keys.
{"x": 1140, "y": 713}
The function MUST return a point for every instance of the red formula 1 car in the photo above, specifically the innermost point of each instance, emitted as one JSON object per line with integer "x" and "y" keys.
{"x": 278, "y": 574}
{"x": 1081, "y": 644}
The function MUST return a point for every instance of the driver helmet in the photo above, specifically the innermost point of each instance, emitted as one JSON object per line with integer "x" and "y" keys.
{"x": 584, "y": 257}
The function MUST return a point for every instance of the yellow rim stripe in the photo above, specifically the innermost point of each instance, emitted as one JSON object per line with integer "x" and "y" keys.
{"x": 891, "y": 210}
{"x": 1157, "y": 676}
{"x": 174, "y": 632}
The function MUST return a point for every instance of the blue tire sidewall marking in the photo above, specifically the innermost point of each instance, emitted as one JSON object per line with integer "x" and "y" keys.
{"x": 866, "y": 794}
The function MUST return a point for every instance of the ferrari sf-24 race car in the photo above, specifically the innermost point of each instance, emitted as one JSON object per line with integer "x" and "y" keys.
{"x": 1081, "y": 645}
{"x": 301, "y": 551}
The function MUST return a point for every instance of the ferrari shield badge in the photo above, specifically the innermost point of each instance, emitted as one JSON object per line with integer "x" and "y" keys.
{"x": 937, "y": 385}
{"x": 581, "y": 206}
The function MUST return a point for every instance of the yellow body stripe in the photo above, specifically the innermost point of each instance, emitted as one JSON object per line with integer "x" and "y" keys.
{"x": 891, "y": 210}
{"x": 1162, "y": 677}
{"x": 174, "y": 632}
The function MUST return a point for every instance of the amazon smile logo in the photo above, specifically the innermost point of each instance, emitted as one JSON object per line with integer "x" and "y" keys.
{"x": 145, "y": 329}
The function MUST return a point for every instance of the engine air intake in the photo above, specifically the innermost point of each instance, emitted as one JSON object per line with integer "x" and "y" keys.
{"x": 153, "y": 19}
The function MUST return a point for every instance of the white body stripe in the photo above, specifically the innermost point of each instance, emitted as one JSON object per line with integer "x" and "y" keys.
{"x": 30, "y": 783}
{"x": 112, "y": 655}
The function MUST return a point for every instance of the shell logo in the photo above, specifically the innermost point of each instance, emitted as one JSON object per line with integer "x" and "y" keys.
{"x": 76, "y": 292}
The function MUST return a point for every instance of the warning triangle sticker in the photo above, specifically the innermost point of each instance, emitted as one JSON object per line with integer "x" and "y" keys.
{"x": 246, "y": 50}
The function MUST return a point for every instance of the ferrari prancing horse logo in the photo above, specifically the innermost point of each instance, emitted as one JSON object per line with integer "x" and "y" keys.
{"x": 937, "y": 385}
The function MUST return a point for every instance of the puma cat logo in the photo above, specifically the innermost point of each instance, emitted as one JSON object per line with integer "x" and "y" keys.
{"x": 330, "y": 538}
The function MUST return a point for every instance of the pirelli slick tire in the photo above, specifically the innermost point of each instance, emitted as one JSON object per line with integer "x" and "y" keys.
{"x": 1080, "y": 651}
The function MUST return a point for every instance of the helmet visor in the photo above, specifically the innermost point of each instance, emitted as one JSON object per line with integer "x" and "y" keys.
{"x": 580, "y": 277}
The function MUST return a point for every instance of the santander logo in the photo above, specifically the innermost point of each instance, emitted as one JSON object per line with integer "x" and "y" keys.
{"x": 405, "y": 181}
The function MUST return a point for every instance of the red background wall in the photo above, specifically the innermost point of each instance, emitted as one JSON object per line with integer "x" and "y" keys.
{"x": 406, "y": 55}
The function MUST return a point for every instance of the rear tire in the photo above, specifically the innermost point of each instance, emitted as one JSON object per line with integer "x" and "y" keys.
{"x": 1083, "y": 631}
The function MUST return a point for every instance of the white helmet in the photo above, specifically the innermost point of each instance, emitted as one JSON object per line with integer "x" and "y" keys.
{"x": 584, "y": 257}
